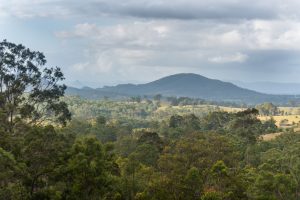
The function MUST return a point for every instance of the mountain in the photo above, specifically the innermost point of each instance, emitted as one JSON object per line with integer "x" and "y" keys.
{"x": 184, "y": 85}
{"x": 90, "y": 93}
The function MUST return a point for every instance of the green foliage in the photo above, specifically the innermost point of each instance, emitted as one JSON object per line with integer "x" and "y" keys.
{"x": 10, "y": 171}
{"x": 101, "y": 120}
{"x": 88, "y": 171}
{"x": 28, "y": 90}
{"x": 53, "y": 165}
{"x": 157, "y": 97}
{"x": 268, "y": 109}
{"x": 212, "y": 196}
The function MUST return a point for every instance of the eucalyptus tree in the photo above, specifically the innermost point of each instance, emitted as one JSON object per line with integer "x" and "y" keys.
{"x": 29, "y": 91}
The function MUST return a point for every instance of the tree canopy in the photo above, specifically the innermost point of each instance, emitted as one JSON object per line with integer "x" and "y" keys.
{"x": 29, "y": 91}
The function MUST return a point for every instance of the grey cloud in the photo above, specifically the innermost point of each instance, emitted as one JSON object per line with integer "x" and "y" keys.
{"x": 183, "y": 10}
{"x": 155, "y": 9}
{"x": 273, "y": 60}
{"x": 256, "y": 48}
{"x": 186, "y": 12}
{"x": 118, "y": 39}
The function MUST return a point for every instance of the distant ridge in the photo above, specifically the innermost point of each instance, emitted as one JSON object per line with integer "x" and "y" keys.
{"x": 183, "y": 85}
{"x": 271, "y": 87}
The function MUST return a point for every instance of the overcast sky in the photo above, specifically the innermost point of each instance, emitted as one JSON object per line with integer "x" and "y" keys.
{"x": 104, "y": 42}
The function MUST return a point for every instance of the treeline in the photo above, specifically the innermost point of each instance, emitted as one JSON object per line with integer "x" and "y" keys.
{"x": 184, "y": 101}
{"x": 137, "y": 108}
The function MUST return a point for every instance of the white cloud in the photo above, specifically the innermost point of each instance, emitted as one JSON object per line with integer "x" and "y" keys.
{"x": 237, "y": 57}
{"x": 231, "y": 38}
{"x": 36, "y": 8}
{"x": 118, "y": 38}
{"x": 193, "y": 35}
{"x": 80, "y": 67}
{"x": 185, "y": 45}
{"x": 3, "y": 12}
{"x": 136, "y": 34}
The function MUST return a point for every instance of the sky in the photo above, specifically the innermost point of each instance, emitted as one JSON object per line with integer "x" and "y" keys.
{"x": 106, "y": 42}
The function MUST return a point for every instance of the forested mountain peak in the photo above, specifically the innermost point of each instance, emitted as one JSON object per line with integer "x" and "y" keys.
{"x": 184, "y": 85}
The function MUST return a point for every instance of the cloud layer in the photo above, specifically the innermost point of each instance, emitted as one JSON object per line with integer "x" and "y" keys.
{"x": 220, "y": 38}
{"x": 155, "y": 9}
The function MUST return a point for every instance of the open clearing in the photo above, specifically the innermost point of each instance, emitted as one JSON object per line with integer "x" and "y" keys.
{"x": 272, "y": 136}
{"x": 284, "y": 121}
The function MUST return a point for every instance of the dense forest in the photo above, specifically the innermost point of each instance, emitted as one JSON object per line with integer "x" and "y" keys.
{"x": 56, "y": 147}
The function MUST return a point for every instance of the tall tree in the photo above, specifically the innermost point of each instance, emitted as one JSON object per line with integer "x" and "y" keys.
{"x": 267, "y": 109}
{"x": 29, "y": 90}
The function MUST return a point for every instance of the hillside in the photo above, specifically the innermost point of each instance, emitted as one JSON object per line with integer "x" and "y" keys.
{"x": 187, "y": 85}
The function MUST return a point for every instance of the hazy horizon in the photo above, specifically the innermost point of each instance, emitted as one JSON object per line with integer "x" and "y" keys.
{"x": 277, "y": 88}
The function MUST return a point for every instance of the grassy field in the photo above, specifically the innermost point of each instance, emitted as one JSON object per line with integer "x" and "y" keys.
{"x": 272, "y": 136}
{"x": 284, "y": 121}
{"x": 290, "y": 119}
{"x": 200, "y": 107}
{"x": 290, "y": 110}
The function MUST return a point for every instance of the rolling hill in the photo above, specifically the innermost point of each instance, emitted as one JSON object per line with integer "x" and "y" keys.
{"x": 183, "y": 85}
